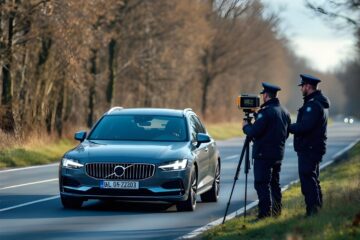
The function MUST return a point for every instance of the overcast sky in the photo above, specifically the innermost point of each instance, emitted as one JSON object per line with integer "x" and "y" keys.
{"x": 324, "y": 47}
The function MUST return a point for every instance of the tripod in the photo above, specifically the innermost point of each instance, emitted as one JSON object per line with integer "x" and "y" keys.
{"x": 244, "y": 151}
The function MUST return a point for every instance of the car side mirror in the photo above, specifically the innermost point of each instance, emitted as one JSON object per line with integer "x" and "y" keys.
{"x": 80, "y": 136}
{"x": 202, "y": 138}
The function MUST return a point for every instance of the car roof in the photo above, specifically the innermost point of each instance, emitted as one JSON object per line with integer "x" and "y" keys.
{"x": 147, "y": 111}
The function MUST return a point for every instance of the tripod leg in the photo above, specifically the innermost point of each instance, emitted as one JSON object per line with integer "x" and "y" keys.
{"x": 246, "y": 180}
{"x": 247, "y": 140}
{"x": 228, "y": 203}
{"x": 246, "y": 170}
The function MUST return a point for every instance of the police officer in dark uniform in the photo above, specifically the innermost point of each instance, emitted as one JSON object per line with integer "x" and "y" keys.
{"x": 310, "y": 140}
{"x": 269, "y": 133}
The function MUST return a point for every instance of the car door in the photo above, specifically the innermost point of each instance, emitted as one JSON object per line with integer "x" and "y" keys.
{"x": 212, "y": 151}
{"x": 211, "y": 148}
{"x": 202, "y": 153}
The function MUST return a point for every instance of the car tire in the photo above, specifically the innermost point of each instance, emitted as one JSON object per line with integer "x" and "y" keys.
{"x": 213, "y": 194}
{"x": 189, "y": 204}
{"x": 71, "y": 202}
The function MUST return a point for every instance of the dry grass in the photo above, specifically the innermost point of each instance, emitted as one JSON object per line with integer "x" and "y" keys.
{"x": 32, "y": 149}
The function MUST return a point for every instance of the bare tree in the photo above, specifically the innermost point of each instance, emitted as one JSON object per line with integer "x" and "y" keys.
{"x": 71, "y": 60}
{"x": 239, "y": 42}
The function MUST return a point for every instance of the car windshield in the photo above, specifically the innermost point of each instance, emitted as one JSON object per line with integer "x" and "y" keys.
{"x": 140, "y": 128}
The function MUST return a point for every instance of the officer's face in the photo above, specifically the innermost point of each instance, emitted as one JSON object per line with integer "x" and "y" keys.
{"x": 304, "y": 89}
{"x": 265, "y": 97}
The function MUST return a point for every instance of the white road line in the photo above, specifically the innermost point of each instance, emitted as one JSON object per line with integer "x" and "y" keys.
{"x": 28, "y": 203}
{"x": 27, "y": 168}
{"x": 31, "y": 183}
{"x": 230, "y": 157}
{"x": 240, "y": 211}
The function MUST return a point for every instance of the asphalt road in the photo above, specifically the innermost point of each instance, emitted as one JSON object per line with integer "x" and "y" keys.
{"x": 30, "y": 207}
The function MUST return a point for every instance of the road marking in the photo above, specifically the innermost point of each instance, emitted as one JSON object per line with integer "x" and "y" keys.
{"x": 240, "y": 211}
{"x": 31, "y": 183}
{"x": 29, "y": 203}
{"x": 27, "y": 168}
{"x": 230, "y": 157}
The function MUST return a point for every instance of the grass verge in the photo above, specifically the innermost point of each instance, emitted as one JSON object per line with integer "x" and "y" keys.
{"x": 221, "y": 131}
{"x": 338, "y": 219}
{"x": 34, "y": 154}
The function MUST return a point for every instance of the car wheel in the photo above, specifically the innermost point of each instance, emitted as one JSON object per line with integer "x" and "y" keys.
{"x": 190, "y": 203}
{"x": 71, "y": 202}
{"x": 213, "y": 194}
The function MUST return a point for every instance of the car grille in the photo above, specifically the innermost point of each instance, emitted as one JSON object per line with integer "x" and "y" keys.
{"x": 134, "y": 171}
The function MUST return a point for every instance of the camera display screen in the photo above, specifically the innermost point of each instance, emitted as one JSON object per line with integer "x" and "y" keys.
{"x": 248, "y": 101}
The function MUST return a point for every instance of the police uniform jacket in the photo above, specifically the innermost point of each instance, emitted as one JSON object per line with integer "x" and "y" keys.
{"x": 310, "y": 127}
{"x": 269, "y": 131}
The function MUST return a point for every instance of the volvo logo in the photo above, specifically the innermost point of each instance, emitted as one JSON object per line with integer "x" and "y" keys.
{"x": 119, "y": 171}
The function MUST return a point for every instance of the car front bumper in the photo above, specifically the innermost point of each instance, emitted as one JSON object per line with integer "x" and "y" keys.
{"x": 167, "y": 186}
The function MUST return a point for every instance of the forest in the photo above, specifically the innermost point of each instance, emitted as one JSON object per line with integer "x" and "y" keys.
{"x": 65, "y": 63}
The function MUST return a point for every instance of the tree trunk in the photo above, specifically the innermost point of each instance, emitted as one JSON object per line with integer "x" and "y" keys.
{"x": 93, "y": 71}
{"x": 47, "y": 83}
{"x": 111, "y": 83}
{"x": 206, "y": 82}
{"x": 23, "y": 92}
{"x": 58, "y": 118}
{"x": 205, "y": 91}
{"x": 39, "y": 97}
{"x": 7, "y": 122}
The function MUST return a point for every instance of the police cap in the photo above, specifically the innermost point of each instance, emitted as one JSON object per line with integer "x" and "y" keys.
{"x": 269, "y": 88}
{"x": 308, "y": 79}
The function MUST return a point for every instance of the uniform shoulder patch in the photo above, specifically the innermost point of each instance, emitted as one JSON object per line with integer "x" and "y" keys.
{"x": 260, "y": 115}
{"x": 308, "y": 109}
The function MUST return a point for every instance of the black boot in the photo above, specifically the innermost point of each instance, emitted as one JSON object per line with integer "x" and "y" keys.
{"x": 263, "y": 215}
{"x": 276, "y": 212}
{"x": 276, "y": 209}
{"x": 311, "y": 211}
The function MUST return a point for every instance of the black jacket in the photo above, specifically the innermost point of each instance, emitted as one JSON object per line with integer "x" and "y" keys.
{"x": 311, "y": 124}
{"x": 269, "y": 131}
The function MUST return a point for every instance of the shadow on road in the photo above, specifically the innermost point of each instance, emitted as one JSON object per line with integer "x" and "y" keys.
{"x": 54, "y": 208}
{"x": 158, "y": 234}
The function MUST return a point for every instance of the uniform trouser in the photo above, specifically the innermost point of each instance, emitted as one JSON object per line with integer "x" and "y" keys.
{"x": 309, "y": 178}
{"x": 318, "y": 183}
{"x": 267, "y": 185}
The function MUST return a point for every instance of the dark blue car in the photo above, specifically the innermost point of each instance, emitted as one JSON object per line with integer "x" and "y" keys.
{"x": 142, "y": 154}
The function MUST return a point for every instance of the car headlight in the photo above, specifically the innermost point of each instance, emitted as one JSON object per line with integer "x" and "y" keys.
{"x": 71, "y": 163}
{"x": 175, "y": 165}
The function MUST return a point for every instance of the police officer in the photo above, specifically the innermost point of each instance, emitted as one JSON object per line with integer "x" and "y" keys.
{"x": 310, "y": 140}
{"x": 269, "y": 133}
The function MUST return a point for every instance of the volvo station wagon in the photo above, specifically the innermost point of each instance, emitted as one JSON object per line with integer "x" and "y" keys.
{"x": 142, "y": 154}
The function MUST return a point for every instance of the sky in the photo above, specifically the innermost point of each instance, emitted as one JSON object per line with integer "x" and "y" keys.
{"x": 323, "y": 46}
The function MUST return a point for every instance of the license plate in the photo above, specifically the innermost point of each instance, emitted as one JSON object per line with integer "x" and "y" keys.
{"x": 119, "y": 184}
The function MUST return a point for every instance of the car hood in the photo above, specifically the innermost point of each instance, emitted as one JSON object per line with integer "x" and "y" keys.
{"x": 129, "y": 152}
